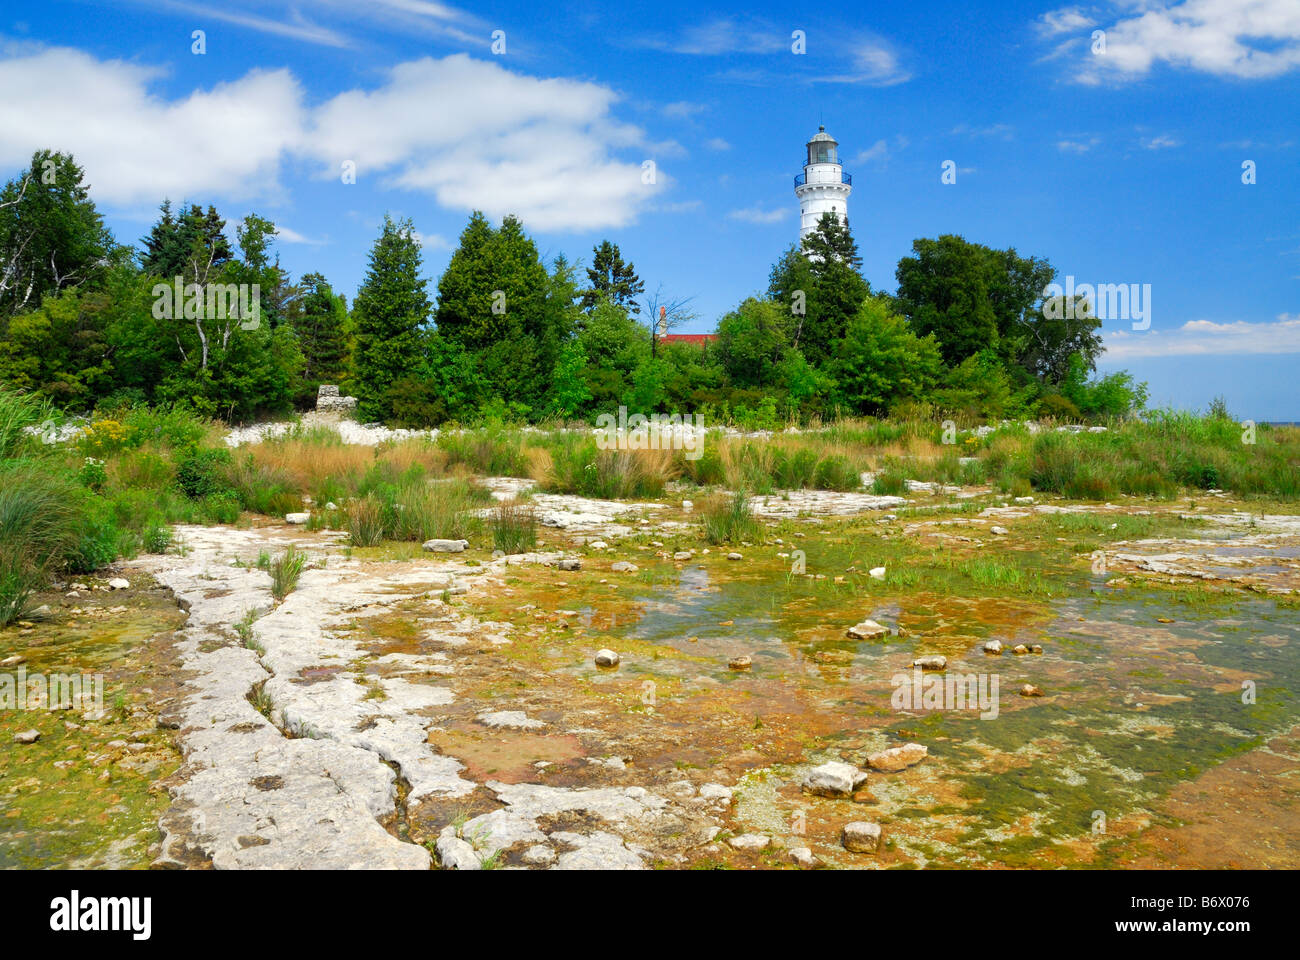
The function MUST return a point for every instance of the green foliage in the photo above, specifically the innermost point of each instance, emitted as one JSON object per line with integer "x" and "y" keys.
{"x": 51, "y": 235}
{"x": 611, "y": 279}
{"x": 286, "y": 570}
{"x": 730, "y": 520}
{"x": 880, "y": 361}
{"x": 204, "y": 473}
{"x": 514, "y": 528}
{"x": 391, "y": 310}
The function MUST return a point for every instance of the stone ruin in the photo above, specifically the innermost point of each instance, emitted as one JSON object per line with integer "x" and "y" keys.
{"x": 328, "y": 400}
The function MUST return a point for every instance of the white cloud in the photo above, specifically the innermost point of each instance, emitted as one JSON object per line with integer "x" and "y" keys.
{"x": 1082, "y": 145}
{"x": 289, "y": 235}
{"x": 1207, "y": 338}
{"x": 758, "y": 215}
{"x": 1161, "y": 142}
{"x": 877, "y": 151}
{"x": 500, "y": 142}
{"x": 875, "y": 64}
{"x": 1065, "y": 20}
{"x": 138, "y": 148}
{"x": 545, "y": 149}
{"x": 1246, "y": 39}
{"x": 719, "y": 36}
{"x": 717, "y": 143}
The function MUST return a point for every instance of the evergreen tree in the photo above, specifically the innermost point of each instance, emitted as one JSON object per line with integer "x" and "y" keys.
{"x": 612, "y": 279}
{"x": 192, "y": 246}
{"x": 51, "y": 235}
{"x": 391, "y": 310}
{"x": 319, "y": 316}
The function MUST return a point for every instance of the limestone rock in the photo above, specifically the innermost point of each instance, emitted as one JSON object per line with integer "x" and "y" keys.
{"x": 118, "y": 583}
{"x": 934, "y": 661}
{"x": 623, "y": 566}
{"x": 606, "y": 658}
{"x": 735, "y": 556}
{"x": 998, "y": 531}
{"x": 740, "y": 663}
{"x": 1029, "y": 690}
{"x": 446, "y": 546}
{"x": 750, "y": 842}
{"x": 877, "y": 573}
{"x": 868, "y": 630}
{"x": 861, "y": 837}
{"x": 993, "y": 646}
{"x": 27, "y": 736}
{"x": 297, "y": 518}
{"x": 898, "y": 758}
{"x": 803, "y": 856}
{"x": 833, "y": 779}
{"x": 570, "y": 564}
{"x": 456, "y": 854}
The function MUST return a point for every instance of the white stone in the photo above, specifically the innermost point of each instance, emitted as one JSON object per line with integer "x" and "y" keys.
{"x": 622, "y": 566}
{"x": 606, "y": 658}
{"x": 297, "y": 518}
{"x": 999, "y": 531}
{"x": 861, "y": 837}
{"x": 117, "y": 583}
{"x": 27, "y": 736}
{"x": 456, "y": 854}
{"x": 803, "y": 856}
{"x": 750, "y": 841}
{"x": 993, "y": 646}
{"x": 898, "y": 758}
{"x": 445, "y": 546}
{"x": 509, "y": 720}
{"x": 877, "y": 573}
{"x": 868, "y": 630}
{"x": 716, "y": 792}
{"x": 933, "y": 661}
{"x": 833, "y": 779}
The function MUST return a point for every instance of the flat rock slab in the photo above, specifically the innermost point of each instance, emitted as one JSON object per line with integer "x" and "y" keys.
{"x": 898, "y": 758}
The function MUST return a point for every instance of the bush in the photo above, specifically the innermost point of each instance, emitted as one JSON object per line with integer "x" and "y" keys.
{"x": 204, "y": 473}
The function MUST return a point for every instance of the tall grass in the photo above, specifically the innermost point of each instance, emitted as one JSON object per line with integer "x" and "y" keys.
{"x": 41, "y": 526}
{"x": 579, "y": 466}
{"x": 285, "y": 571}
{"x": 514, "y": 528}
{"x": 728, "y": 519}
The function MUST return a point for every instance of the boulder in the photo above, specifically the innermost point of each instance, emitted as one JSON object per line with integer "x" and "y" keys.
{"x": 606, "y": 658}
{"x": 993, "y": 647}
{"x": 570, "y": 564}
{"x": 297, "y": 518}
{"x": 446, "y": 546}
{"x": 752, "y": 842}
{"x": 935, "y": 661}
{"x": 740, "y": 663}
{"x": 622, "y": 566}
{"x": 117, "y": 583}
{"x": 27, "y": 736}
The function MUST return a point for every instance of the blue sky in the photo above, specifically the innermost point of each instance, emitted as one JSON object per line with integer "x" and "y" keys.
{"x": 1120, "y": 166}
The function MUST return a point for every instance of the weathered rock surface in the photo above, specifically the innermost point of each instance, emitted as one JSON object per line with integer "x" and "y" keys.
{"x": 868, "y": 630}
{"x": 897, "y": 758}
{"x": 445, "y": 546}
{"x": 833, "y": 779}
{"x": 861, "y": 837}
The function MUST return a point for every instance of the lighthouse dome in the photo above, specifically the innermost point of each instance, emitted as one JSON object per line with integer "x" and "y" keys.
{"x": 822, "y": 148}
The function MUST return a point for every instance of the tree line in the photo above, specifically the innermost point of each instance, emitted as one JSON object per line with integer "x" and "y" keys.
{"x": 505, "y": 334}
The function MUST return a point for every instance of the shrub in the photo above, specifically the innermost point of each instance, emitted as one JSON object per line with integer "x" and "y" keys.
{"x": 203, "y": 473}
{"x": 40, "y": 516}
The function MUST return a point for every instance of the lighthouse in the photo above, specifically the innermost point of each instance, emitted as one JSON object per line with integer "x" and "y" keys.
{"x": 823, "y": 187}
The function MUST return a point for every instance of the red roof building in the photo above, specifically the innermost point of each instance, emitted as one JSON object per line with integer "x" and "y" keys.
{"x": 695, "y": 339}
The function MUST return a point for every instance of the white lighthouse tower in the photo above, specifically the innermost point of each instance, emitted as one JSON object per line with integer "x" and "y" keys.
{"x": 823, "y": 187}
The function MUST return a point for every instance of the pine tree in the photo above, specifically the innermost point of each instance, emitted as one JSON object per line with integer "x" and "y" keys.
{"x": 319, "y": 317}
{"x": 391, "y": 310}
{"x": 612, "y": 279}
